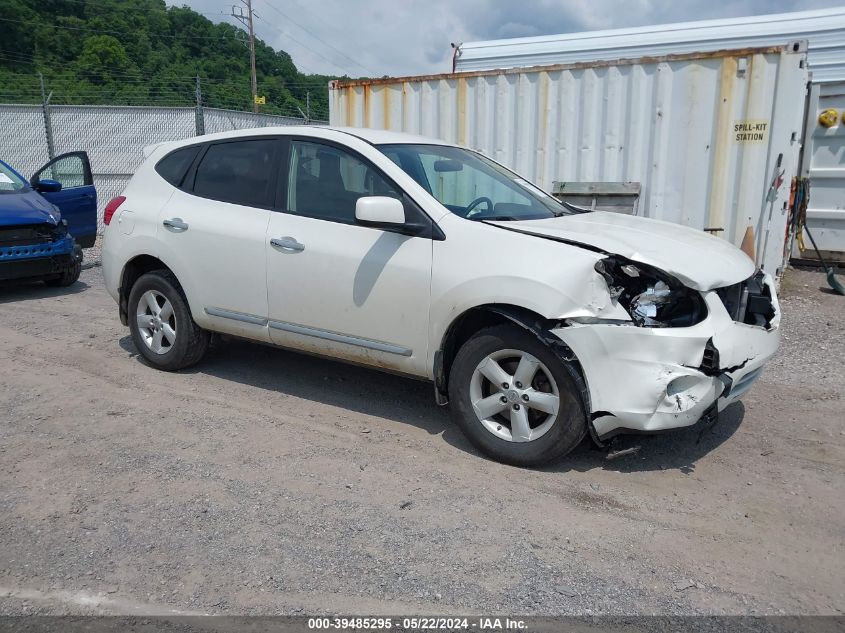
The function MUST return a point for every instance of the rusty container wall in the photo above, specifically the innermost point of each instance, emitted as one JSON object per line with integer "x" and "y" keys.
{"x": 701, "y": 132}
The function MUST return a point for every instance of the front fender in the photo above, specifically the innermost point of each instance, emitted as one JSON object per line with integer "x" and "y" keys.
{"x": 584, "y": 295}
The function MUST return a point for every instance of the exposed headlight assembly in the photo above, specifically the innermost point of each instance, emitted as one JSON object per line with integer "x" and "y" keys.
{"x": 652, "y": 297}
{"x": 59, "y": 231}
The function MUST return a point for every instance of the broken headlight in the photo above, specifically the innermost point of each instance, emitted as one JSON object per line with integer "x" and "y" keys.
{"x": 651, "y": 297}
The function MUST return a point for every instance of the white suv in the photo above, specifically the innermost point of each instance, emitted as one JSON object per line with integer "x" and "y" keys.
{"x": 538, "y": 322}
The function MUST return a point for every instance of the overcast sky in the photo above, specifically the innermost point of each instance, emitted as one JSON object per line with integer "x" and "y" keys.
{"x": 409, "y": 37}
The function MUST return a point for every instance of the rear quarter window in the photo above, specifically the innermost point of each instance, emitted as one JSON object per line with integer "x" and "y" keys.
{"x": 174, "y": 166}
{"x": 239, "y": 172}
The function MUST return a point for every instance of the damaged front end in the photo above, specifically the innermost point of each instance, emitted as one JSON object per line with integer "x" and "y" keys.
{"x": 651, "y": 297}
{"x": 35, "y": 251}
{"x": 681, "y": 352}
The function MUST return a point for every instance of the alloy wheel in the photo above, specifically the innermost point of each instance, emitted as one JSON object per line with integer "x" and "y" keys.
{"x": 156, "y": 321}
{"x": 514, "y": 396}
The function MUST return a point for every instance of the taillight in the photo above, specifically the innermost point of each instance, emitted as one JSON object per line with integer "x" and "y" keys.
{"x": 111, "y": 207}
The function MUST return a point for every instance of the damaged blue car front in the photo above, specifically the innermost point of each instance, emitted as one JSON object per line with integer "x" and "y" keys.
{"x": 45, "y": 223}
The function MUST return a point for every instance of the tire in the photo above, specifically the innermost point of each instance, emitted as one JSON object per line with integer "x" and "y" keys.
{"x": 188, "y": 342}
{"x": 552, "y": 435}
{"x": 68, "y": 277}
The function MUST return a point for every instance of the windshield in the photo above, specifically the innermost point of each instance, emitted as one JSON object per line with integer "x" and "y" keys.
{"x": 472, "y": 186}
{"x": 9, "y": 180}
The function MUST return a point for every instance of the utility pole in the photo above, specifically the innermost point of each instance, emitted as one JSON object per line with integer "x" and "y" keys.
{"x": 246, "y": 20}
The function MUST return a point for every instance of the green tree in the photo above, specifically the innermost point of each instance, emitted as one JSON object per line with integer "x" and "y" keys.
{"x": 103, "y": 57}
{"x": 142, "y": 52}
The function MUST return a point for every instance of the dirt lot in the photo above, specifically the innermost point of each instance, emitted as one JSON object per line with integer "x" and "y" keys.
{"x": 263, "y": 481}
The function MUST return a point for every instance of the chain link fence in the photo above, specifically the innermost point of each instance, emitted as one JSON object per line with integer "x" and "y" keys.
{"x": 113, "y": 136}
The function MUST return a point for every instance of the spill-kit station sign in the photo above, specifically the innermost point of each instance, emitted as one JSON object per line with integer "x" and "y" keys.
{"x": 751, "y": 131}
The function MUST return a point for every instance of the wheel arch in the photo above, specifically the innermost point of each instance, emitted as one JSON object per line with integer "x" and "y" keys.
{"x": 476, "y": 318}
{"x": 132, "y": 270}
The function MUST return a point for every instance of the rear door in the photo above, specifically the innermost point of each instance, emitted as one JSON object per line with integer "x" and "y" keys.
{"x": 77, "y": 199}
{"x": 211, "y": 233}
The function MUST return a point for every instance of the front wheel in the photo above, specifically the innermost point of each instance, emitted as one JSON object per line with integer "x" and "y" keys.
{"x": 68, "y": 276}
{"x": 515, "y": 399}
{"x": 161, "y": 324}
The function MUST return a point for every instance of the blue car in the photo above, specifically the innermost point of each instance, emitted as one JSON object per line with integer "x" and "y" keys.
{"x": 46, "y": 222}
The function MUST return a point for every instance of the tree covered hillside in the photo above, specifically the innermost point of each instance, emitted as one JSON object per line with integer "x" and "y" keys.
{"x": 140, "y": 52}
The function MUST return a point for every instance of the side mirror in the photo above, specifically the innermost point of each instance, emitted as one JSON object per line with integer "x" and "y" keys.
{"x": 379, "y": 211}
{"x": 47, "y": 186}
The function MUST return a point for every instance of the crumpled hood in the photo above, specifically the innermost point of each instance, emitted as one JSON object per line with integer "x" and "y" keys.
{"x": 26, "y": 207}
{"x": 697, "y": 259}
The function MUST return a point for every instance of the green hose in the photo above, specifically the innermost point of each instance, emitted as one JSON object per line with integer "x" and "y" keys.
{"x": 832, "y": 281}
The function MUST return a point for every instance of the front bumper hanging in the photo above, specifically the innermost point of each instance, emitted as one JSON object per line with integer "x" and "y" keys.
{"x": 653, "y": 379}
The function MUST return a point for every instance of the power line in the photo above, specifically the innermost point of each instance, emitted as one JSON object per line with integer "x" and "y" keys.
{"x": 296, "y": 64}
{"x": 25, "y": 58}
{"x": 176, "y": 81}
{"x": 319, "y": 39}
{"x": 123, "y": 33}
{"x": 238, "y": 17}
{"x": 303, "y": 44}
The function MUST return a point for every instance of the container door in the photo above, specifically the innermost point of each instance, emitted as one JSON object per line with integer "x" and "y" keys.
{"x": 824, "y": 165}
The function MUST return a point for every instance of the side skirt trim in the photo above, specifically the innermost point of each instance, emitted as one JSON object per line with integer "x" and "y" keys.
{"x": 379, "y": 346}
{"x": 236, "y": 316}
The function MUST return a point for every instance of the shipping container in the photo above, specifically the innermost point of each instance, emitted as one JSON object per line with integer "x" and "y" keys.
{"x": 824, "y": 30}
{"x": 699, "y": 137}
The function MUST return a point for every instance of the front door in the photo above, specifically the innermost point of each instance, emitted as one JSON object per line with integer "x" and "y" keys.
{"x": 77, "y": 199}
{"x": 336, "y": 287}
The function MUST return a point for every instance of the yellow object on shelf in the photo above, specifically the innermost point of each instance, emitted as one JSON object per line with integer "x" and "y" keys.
{"x": 828, "y": 118}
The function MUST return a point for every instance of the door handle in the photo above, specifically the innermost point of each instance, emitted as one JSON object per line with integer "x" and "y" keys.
{"x": 176, "y": 223}
{"x": 287, "y": 243}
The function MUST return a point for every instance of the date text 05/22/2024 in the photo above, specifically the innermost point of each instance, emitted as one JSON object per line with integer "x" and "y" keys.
{"x": 417, "y": 623}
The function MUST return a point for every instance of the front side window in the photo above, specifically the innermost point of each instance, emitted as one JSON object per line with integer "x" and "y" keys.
{"x": 70, "y": 171}
{"x": 239, "y": 172}
{"x": 472, "y": 186}
{"x": 325, "y": 182}
{"x": 9, "y": 180}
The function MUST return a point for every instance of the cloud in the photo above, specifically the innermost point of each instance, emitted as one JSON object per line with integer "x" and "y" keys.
{"x": 390, "y": 37}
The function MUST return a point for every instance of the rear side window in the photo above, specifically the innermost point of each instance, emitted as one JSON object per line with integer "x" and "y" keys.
{"x": 173, "y": 166}
{"x": 239, "y": 172}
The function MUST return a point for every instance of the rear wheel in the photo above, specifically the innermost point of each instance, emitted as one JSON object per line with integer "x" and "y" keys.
{"x": 515, "y": 399}
{"x": 161, "y": 324}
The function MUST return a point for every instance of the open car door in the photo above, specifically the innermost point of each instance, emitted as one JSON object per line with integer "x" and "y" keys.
{"x": 66, "y": 181}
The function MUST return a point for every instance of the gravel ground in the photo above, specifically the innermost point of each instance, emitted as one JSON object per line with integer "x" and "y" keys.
{"x": 266, "y": 482}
